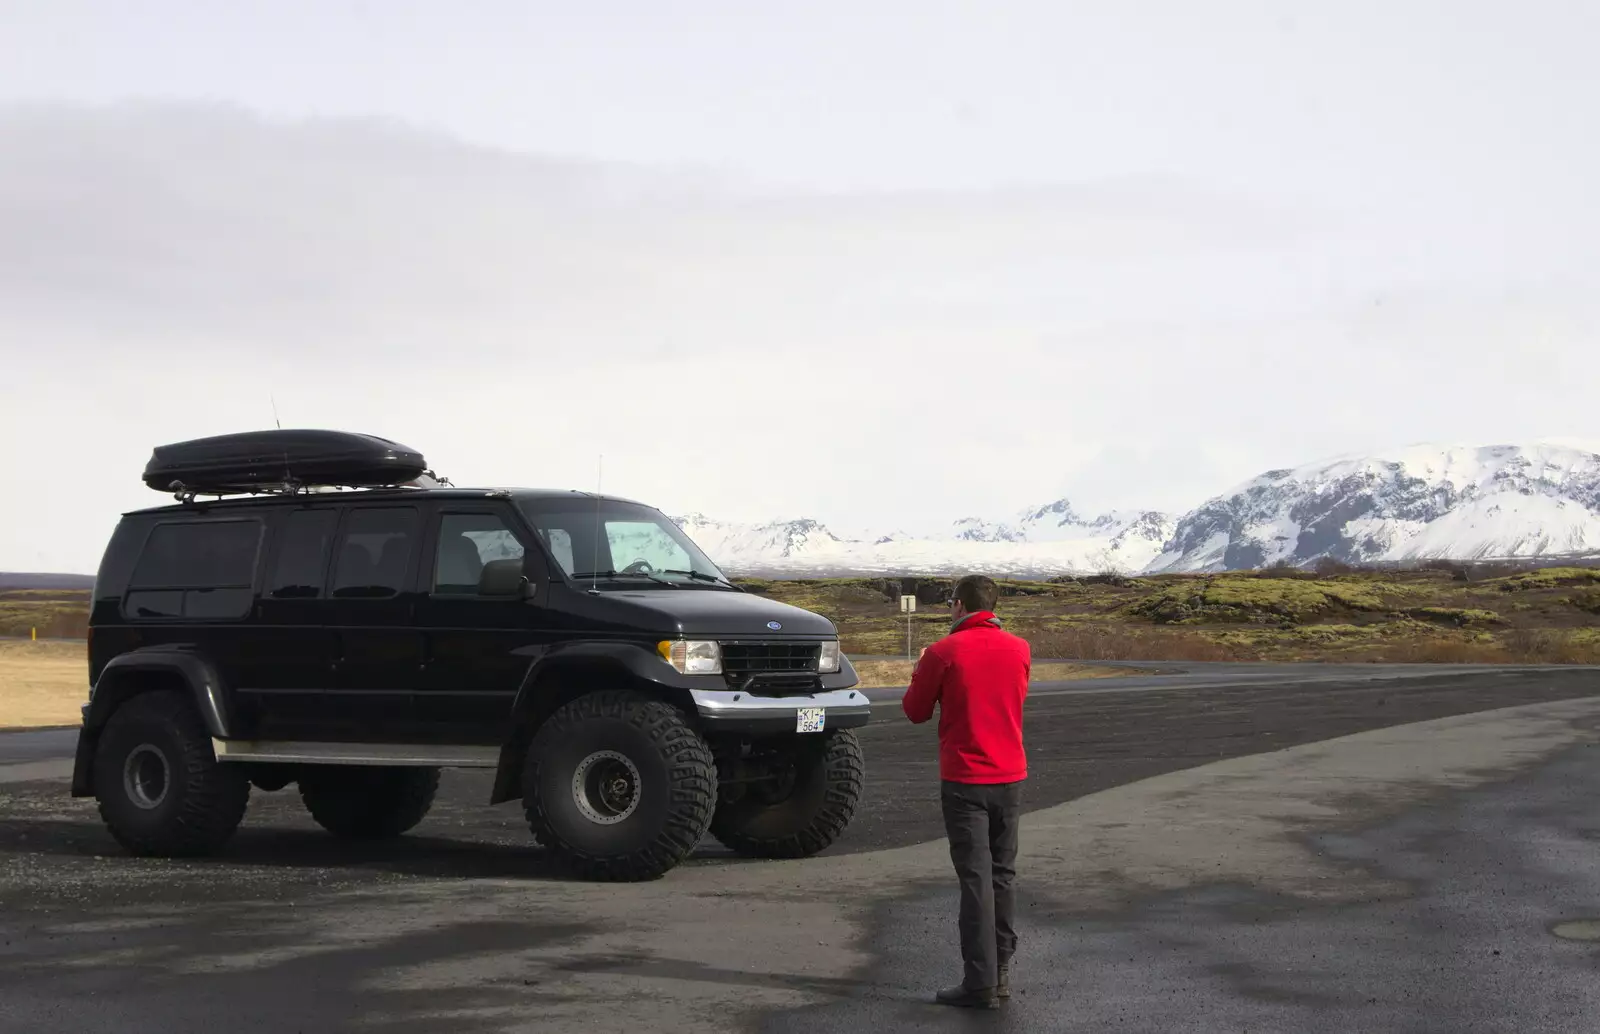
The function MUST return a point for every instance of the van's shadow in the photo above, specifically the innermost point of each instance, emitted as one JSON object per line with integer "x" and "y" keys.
{"x": 417, "y": 854}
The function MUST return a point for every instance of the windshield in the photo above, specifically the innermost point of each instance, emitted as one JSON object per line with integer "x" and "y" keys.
{"x": 610, "y": 540}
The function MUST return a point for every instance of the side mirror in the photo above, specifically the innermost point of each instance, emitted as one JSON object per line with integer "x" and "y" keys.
{"x": 501, "y": 578}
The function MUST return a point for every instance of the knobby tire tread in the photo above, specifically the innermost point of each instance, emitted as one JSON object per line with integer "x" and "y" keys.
{"x": 355, "y": 809}
{"x": 846, "y": 769}
{"x": 693, "y": 792}
{"x": 215, "y": 796}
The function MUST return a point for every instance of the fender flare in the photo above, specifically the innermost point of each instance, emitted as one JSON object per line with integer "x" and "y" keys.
{"x": 632, "y": 661}
{"x": 119, "y": 680}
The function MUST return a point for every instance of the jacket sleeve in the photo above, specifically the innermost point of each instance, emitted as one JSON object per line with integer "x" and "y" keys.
{"x": 923, "y": 692}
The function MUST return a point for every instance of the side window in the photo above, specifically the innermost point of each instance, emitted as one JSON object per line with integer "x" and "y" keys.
{"x": 196, "y": 569}
{"x": 560, "y": 543}
{"x": 375, "y": 552}
{"x": 631, "y": 541}
{"x": 467, "y": 541}
{"x": 303, "y": 556}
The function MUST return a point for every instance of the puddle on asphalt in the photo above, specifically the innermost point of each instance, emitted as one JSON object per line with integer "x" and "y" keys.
{"x": 1578, "y": 930}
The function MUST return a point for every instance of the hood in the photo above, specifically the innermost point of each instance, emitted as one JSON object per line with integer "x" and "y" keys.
{"x": 975, "y": 619}
{"x": 710, "y": 614}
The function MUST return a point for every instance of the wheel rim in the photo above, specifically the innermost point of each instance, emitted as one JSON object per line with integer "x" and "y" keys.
{"x": 146, "y": 776}
{"x": 606, "y": 787}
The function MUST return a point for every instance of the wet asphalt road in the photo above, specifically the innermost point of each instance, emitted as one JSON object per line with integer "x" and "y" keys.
{"x": 41, "y": 745}
{"x": 1499, "y": 933}
{"x": 1090, "y": 735}
{"x": 1203, "y": 961}
{"x": 1082, "y": 736}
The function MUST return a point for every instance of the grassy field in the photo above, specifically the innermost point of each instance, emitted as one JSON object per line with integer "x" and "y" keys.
{"x": 41, "y": 684}
{"x": 55, "y": 613}
{"x": 1443, "y": 615}
{"x": 898, "y": 673}
{"x": 1440, "y": 615}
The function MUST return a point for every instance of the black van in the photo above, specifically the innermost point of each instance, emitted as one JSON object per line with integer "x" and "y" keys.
{"x": 338, "y": 618}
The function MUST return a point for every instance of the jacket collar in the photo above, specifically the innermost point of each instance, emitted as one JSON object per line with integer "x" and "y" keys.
{"x": 973, "y": 620}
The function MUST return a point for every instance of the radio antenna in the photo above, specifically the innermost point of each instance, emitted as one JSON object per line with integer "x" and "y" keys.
{"x": 594, "y": 568}
{"x": 288, "y": 474}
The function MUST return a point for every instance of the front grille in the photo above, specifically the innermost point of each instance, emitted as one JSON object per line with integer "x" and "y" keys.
{"x": 742, "y": 660}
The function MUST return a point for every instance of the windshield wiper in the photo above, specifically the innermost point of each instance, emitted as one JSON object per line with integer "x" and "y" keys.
{"x": 701, "y": 576}
{"x": 625, "y": 574}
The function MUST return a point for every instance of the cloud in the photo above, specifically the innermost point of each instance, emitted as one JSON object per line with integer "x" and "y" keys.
{"x": 203, "y": 226}
{"x": 869, "y": 358}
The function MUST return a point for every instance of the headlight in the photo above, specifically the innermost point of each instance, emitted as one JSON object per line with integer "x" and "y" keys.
{"x": 828, "y": 659}
{"x": 692, "y": 656}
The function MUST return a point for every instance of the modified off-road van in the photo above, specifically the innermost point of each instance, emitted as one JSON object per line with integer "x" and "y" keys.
{"x": 317, "y": 608}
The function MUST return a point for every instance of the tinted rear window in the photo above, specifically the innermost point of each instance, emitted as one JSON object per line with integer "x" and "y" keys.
{"x": 195, "y": 569}
{"x": 199, "y": 554}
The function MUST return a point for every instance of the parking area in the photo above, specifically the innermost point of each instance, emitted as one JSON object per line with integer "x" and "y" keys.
{"x": 1162, "y": 815}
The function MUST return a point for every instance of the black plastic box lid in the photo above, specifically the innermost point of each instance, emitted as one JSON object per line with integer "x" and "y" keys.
{"x": 263, "y": 459}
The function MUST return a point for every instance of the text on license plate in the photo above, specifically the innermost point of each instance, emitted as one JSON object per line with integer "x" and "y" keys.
{"x": 809, "y": 719}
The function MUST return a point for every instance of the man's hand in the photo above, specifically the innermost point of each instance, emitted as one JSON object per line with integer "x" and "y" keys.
{"x": 923, "y": 693}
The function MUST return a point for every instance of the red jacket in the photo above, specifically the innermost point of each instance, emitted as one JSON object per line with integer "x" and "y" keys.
{"x": 978, "y": 675}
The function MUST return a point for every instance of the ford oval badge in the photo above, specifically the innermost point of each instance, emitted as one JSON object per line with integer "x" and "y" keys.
{"x": 774, "y": 625}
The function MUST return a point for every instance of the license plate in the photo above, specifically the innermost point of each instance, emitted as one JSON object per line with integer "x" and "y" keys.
{"x": 809, "y": 719}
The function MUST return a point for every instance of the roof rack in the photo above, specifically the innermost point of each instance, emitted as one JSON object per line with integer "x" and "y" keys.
{"x": 285, "y": 462}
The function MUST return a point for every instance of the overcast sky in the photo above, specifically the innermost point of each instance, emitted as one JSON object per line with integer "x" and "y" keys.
{"x": 882, "y": 263}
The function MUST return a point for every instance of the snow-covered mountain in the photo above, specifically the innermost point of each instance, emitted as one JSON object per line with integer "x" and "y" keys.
{"x": 1420, "y": 502}
{"x": 1045, "y": 541}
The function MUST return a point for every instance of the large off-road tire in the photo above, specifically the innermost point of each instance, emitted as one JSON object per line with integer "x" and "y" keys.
{"x": 619, "y": 786}
{"x": 803, "y": 811}
{"x": 364, "y": 802}
{"x": 159, "y": 785}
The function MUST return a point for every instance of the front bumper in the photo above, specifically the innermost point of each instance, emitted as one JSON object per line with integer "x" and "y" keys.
{"x": 732, "y": 710}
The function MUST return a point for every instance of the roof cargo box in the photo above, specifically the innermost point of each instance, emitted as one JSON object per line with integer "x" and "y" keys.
{"x": 256, "y": 460}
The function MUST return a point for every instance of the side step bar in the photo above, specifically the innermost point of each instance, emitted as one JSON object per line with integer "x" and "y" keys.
{"x": 410, "y": 754}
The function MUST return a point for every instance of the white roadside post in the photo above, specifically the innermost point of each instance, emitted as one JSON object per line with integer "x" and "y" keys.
{"x": 908, "y": 606}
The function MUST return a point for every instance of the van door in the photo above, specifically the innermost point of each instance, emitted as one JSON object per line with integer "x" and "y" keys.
{"x": 287, "y": 674}
{"x": 378, "y": 652}
{"x": 476, "y": 649}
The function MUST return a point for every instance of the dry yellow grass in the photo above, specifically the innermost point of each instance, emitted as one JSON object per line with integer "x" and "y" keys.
{"x": 875, "y": 674}
{"x": 42, "y": 684}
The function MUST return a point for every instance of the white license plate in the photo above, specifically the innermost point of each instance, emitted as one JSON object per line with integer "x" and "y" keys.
{"x": 809, "y": 719}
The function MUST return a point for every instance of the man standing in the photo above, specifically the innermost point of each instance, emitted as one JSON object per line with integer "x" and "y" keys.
{"x": 978, "y": 677}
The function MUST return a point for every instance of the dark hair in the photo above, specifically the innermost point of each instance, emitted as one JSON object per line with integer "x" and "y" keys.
{"x": 976, "y": 592}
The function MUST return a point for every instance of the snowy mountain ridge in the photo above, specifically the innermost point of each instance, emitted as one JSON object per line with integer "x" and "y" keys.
{"x": 1427, "y": 501}
{"x": 1418, "y": 503}
{"x": 1047, "y": 540}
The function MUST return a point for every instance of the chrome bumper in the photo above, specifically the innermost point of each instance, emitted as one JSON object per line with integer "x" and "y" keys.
{"x": 842, "y": 708}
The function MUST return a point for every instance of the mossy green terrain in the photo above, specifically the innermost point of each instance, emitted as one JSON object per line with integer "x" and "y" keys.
{"x": 1548, "y": 578}
{"x": 1550, "y": 615}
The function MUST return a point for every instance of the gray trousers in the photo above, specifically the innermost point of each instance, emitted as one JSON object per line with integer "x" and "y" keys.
{"x": 981, "y": 822}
